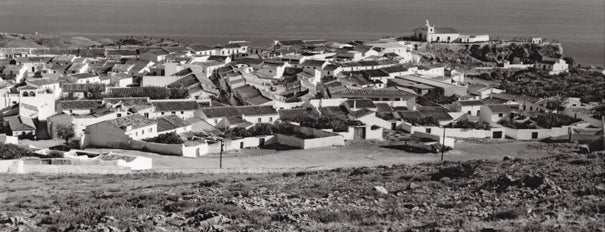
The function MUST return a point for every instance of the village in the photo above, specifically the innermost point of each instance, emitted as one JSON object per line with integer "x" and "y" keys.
{"x": 199, "y": 100}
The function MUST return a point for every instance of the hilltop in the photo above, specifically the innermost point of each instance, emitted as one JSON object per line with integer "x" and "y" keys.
{"x": 45, "y": 40}
{"x": 564, "y": 192}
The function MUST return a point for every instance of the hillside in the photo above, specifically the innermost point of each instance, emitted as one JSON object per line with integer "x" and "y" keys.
{"x": 565, "y": 192}
{"x": 45, "y": 40}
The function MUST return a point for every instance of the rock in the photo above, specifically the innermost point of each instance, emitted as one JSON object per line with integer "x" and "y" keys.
{"x": 381, "y": 189}
{"x": 206, "y": 219}
{"x": 445, "y": 180}
{"x": 507, "y": 158}
{"x": 413, "y": 186}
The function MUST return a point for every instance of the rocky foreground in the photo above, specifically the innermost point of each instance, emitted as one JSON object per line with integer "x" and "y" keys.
{"x": 565, "y": 192}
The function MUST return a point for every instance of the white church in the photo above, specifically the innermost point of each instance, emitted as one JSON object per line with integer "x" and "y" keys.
{"x": 432, "y": 34}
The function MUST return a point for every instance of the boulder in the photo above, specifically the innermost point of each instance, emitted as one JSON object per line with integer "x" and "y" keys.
{"x": 381, "y": 189}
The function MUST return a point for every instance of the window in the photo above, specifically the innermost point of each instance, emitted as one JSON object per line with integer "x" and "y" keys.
{"x": 260, "y": 120}
{"x": 182, "y": 112}
{"x": 119, "y": 115}
{"x": 162, "y": 113}
{"x": 469, "y": 113}
{"x": 136, "y": 133}
{"x": 270, "y": 119}
{"x": 150, "y": 129}
{"x": 428, "y": 130}
{"x": 142, "y": 132}
{"x": 500, "y": 115}
{"x": 215, "y": 121}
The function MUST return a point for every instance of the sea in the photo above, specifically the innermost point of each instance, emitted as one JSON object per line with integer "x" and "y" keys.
{"x": 578, "y": 24}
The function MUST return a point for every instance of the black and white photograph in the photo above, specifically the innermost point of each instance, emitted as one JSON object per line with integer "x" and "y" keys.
{"x": 302, "y": 115}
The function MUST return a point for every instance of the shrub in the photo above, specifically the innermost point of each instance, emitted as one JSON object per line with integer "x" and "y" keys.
{"x": 168, "y": 138}
{"x": 551, "y": 120}
{"x": 261, "y": 129}
{"x": 466, "y": 124}
{"x": 10, "y": 151}
{"x": 237, "y": 132}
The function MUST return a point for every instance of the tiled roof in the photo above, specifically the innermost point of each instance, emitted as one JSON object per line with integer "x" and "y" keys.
{"x": 361, "y": 113}
{"x": 79, "y": 104}
{"x": 445, "y": 30}
{"x": 470, "y": 103}
{"x": 384, "y": 107}
{"x": 500, "y": 108}
{"x": 256, "y": 110}
{"x": 70, "y": 88}
{"x": 296, "y": 113}
{"x": 226, "y": 111}
{"x": 313, "y": 63}
{"x": 170, "y": 123}
{"x": 135, "y": 121}
{"x": 375, "y": 93}
{"x": 360, "y": 103}
{"x": 84, "y": 75}
{"x": 218, "y": 112}
{"x": 175, "y": 105}
{"x": 19, "y": 123}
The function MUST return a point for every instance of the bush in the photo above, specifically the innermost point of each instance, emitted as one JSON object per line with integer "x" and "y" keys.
{"x": 517, "y": 125}
{"x": 466, "y": 124}
{"x": 10, "y": 151}
{"x": 261, "y": 129}
{"x": 551, "y": 120}
{"x": 168, "y": 138}
{"x": 237, "y": 132}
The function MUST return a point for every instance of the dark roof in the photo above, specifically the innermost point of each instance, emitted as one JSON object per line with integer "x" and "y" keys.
{"x": 394, "y": 69}
{"x": 360, "y": 103}
{"x": 445, "y": 30}
{"x": 70, "y": 88}
{"x": 470, "y": 103}
{"x": 84, "y": 75}
{"x": 20, "y": 123}
{"x": 175, "y": 105}
{"x": 79, "y": 104}
{"x": 170, "y": 123}
{"x": 256, "y": 110}
{"x": 292, "y": 42}
{"x": 500, "y": 108}
{"x": 238, "y": 111}
{"x": 435, "y": 112}
{"x": 384, "y": 107}
{"x": 313, "y": 63}
{"x": 200, "y": 47}
{"x": 296, "y": 113}
{"x": 361, "y": 113}
{"x": 135, "y": 120}
{"x": 374, "y": 93}
{"x": 337, "y": 111}
{"x": 374, "y": 73}
{"x": 218, "y": 112}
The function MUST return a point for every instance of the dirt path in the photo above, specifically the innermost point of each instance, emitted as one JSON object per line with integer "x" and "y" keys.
{"x": 353, "y": 155}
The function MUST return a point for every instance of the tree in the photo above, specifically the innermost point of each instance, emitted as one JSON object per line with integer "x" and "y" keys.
{"x": 65, "y": 131}
{"x": 168, "y": 138}
{"x": 10, "y": 151}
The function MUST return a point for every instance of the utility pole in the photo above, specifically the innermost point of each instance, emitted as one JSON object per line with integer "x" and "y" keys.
{"x": 220, "y": 164}
{"x": 443, "y": 144}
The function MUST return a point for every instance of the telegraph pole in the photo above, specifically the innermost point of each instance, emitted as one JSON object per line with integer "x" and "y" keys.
{"x": 443, "y": 144}
{"x": 220, "y": 164}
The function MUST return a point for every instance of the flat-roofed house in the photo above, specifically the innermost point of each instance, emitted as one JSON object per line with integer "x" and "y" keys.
{"x": 495, "y": 113}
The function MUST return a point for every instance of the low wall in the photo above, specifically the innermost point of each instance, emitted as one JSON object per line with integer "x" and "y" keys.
{"x": 75, "y": 169}
{"x": 7, "y": 139}
{"x": 586, "y": 118}
{"x": 440, "y": 139}
{"x": 168, "y": 149}
{"x": 290, "y": 140}
{"x": 454, "y": 132}
{"x": 11, "y": 166}
{"x": 528, "y": 134}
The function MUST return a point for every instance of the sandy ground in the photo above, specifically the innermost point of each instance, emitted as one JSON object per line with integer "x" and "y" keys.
{"x": 352, "y": 155}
